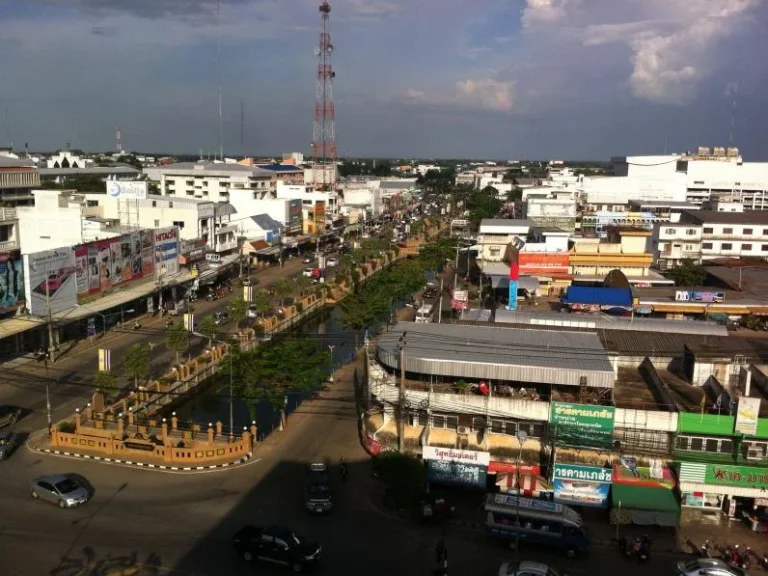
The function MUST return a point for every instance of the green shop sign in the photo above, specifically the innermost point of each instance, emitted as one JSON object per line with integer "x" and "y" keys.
{"x": 736, "y": 476}
{"x": 582, "y": 425}
{"x": 582, "y": 473}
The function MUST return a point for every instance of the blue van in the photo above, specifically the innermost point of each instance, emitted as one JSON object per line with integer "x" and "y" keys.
{"x": 541, "y": 522}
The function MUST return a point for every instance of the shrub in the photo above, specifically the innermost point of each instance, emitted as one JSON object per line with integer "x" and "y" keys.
{"x": 67, "y": 427}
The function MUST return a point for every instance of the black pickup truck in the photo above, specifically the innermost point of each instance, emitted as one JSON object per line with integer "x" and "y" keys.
{"x": 317, "y": 491}
{"x": 277, "y": 545}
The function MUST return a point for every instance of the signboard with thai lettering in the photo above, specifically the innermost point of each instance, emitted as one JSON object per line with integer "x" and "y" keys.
{"x": 456, "y": 473}
{"x": 586, "y": 473}
{"x": 582, "y": 424}
{"x": 746, "y": 415}
{"x": 736, "y": 476}
{"x": 453, "y": 455}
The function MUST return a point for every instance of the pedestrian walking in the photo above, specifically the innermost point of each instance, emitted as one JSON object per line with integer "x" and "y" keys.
{"x": 440, "y": 551}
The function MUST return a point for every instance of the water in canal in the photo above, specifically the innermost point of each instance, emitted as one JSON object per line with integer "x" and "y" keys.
{"x": 326, "y": 328}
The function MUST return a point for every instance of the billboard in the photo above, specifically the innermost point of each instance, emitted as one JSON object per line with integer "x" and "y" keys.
{"x": 106, "y": 263}
{"x": 582, "y": 425}
{"x": 319, "y": 215}
{"x": 50, "y": 282}
{"x": 747, "y": 415}
{"x": 166, "y": 251}
{"x": 582, "y": 485}
{"x": 704, "y": 297}
{"x": 11, "y": 280}
{"x": 544, "y": 260}
{"x": 127, "y": 190}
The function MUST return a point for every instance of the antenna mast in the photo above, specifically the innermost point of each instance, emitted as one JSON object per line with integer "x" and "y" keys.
{"x": 324, "y": 126}
{"x": 218, "y": 74}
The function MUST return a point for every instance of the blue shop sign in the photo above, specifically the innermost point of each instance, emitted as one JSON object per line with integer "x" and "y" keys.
{"x": 456, "y": 474}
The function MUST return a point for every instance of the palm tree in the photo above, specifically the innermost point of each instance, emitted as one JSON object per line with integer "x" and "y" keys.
{"x": 208, "y": 328}
{"x": 136, "y": 362}
{"x": 177, "y": 339}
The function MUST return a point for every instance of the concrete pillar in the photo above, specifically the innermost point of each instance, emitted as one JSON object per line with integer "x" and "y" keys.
{"x": 254, "y": 431}
{"x": 120, "y": 426}
{"x": 97, "y": 402}
{"x": 174, "y": 422}
{"x": 78, "y": 420}
{"x": 210, "y": 434}
{"x": 218, "y": 428}
{"x": 164, "y": 429}
{"x": 130, "y": 418}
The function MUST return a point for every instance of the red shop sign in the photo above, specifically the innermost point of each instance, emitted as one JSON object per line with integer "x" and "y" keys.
{"x": 511, "y": 468}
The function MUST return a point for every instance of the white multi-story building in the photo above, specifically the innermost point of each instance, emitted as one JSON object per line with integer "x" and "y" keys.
{"x": 285, "y": 211}
{"x": 607, "y": 192}
{"x": 320, "y": 209}
{"x": 209, "y": 180}
{"x": 496, "y": 234}
{"x": 708, "y": 174}
{"x": 710, "y": 234}
{"x": 57, "y": 219}
{"x": 367, "y": 199}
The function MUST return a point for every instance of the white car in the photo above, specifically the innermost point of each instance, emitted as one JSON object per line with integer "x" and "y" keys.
{"x": 252, "y": 312}
{"x": 527, "y": 569}
{"x": 307, "y": 272}
{"x": 332, "y": 261}
{"x": 709, "y": 566}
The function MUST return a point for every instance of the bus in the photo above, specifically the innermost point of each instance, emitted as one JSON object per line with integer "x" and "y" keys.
{"x": 541, "y": 522}
{"x": 424, "y": 314}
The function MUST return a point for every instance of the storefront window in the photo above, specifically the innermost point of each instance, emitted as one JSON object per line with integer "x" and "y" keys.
{"x": 698, "y": 444}
{"x": 702, "y": 500}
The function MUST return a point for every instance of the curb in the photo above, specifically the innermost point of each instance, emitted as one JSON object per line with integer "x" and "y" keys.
{"x": 242, "y": 460}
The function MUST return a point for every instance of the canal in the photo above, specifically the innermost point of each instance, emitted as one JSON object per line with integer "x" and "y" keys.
{"x": 212, "y": 404}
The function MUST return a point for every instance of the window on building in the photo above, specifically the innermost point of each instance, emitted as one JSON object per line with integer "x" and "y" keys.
{"x": 726, "y": 246}
{"x": 690, "y": 232}
{"x": 92, "y": 203}
{"x": 706, "y": 246}
{"x": 708, "y": 230}
{"x": 495, "y": 252}
{"x": 154, "y": 203}
{"x": 727, "y": 230}
{"x": 170, "y": 204}
{"x": 157, "y": 223}
{"x": 703, "y": 444}
{"x": 765, "y": 231}
{"x": 746, "y": 247}
{"x": 764, "y": 248}
{"x": 747, "y": 232}
{"x": 670, "y": 231}
{"x": 179, "y": 223}
{"x": 688, "y": 247}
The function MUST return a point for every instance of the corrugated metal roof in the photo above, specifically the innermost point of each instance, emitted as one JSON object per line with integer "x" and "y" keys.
{"x": 8, "y": 162}
{"x": 464, "y": 351}
{"x": 607, "y": 322}
{"x": 266, "y": 222}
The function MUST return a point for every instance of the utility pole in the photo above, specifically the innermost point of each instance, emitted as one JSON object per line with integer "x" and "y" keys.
{"x": 456, "y": 268}
{"x": 401, "y": 415}
{"x": 49, "y": 315}
{"x": 440, "y": 304}
{"x": 240, "y": 242}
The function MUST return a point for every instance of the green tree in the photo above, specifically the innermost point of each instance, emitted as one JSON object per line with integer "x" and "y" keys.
{"x": 283, "y": 289}
{"x": 136, "y": 363}
{"x": 355, "y": 314}
{"x": 237, "y": 309}
{"x": 208, "y": 328}
{"x": 177, "y": 338}
{"x": 687, "y": 274}
{"x": 303, "y": 284}
{"x": 261, "y": 301}
{"x": 105, "y": 382}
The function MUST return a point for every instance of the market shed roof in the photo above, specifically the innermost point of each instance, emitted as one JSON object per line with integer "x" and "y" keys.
{"x": 481, "y": 352}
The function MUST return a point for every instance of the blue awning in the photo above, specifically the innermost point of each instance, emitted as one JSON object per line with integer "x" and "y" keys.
{"x": 598, "y": 296}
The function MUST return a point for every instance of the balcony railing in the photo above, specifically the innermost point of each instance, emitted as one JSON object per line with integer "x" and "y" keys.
{"x": 7, "y": 214}
{"x": 9, "y": 245}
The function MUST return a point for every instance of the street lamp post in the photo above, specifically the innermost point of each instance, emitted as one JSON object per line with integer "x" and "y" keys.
{"x": 522, "y": 436}
{"x": 331, "y": 348}
{"x": 47, "y": 398}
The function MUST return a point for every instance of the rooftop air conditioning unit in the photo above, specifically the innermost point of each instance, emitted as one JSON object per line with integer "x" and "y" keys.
{"x": 463, "y": 430}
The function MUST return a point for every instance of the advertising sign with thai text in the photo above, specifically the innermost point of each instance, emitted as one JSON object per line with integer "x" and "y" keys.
{"x": 456, "y": 474}
{"x": 744, "y": 476}
{"x": 544, "y": 260}
{"x": 127, "y": 190}
{"x": 746, "y": 415}
{"x": 166, "y": 251}
{"x": 453, "y": 455}
{"x": 582, "y": 424}
{"x": 584, "y": 473}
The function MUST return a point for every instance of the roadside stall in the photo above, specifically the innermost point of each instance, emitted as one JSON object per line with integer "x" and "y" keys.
{"x": 644, "y": 495}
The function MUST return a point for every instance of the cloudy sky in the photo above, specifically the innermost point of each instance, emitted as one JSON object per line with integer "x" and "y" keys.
{"x": 578, "y": 79}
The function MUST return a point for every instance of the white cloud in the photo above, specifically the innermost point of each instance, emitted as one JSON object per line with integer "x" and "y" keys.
{"x": 538, "y": 12}
{"x": 485, "y": 93}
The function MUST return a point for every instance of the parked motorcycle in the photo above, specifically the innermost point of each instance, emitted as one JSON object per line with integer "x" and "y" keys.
{"x": 639, "y": 548}
{"x": 343, "y": 469}
{"x": 136, "y": 326}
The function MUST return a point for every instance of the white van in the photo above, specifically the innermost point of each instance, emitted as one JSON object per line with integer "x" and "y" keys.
{"x": 424, "y": 314}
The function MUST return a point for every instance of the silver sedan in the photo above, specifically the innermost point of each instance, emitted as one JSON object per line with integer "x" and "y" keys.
{"x": 60, "y": 490}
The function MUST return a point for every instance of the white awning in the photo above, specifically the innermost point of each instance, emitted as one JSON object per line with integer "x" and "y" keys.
{"x": 742, "y": 491}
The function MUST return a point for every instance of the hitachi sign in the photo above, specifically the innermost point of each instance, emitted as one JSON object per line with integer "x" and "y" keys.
{"x": 163, "y": 236}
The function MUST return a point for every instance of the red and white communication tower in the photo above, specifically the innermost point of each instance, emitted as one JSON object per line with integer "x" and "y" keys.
{"x": 324, "y": 126}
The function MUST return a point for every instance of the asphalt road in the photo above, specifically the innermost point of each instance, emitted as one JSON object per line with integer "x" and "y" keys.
{"x": 155, "y": 522}
{"x": 25, "y": 386}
